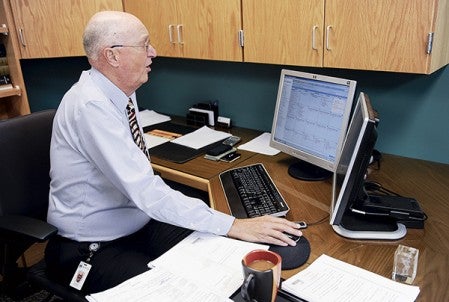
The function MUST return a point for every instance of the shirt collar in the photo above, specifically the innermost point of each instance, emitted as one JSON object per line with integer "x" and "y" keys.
{"x": 110, "y": 90}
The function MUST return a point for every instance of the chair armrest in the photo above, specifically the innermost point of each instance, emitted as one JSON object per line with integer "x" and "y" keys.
{"x": 26, "y": 226}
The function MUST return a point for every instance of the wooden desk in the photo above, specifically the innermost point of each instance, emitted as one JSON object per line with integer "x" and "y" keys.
{"x": 198, "y": 171}
{"x": 309, "y": 201}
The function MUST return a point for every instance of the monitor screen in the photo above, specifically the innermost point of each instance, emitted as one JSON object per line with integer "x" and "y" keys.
{"x": 310, "y": 121}
{"x": 349, "y": 178}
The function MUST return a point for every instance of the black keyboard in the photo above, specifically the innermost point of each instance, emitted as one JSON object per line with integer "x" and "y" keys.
{"x": 250, "y": 192}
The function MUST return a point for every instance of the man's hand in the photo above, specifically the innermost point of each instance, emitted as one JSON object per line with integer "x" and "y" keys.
{"x": 265, "y": 229}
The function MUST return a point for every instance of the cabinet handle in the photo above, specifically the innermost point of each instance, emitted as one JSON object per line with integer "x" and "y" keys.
{"x": 328, "y": 29}
{"x": 170, "y": 33}
{"x": 314, "y": 29}
{"x": 22, "y": 37}
{"x": 429, "y": 43}
{"x": 241, "y": 38}
{"x": 179, "y": 30}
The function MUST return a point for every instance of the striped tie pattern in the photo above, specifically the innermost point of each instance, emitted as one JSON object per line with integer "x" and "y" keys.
{"x": 134, "y": 127}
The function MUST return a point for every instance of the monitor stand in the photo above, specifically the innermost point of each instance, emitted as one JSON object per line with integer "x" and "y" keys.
{"x": 365, "y": 227}
{"x": 306, "y": 171}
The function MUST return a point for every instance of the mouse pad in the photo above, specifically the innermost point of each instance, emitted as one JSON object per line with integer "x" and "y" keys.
{"x": 293, "y": 256}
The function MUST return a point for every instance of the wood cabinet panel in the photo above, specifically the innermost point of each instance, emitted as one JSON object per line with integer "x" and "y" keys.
{"x": 283, "y": 32}
{"x": 54, "y": 28}
{"x": 378, "y": 35}
{"x": 198, "y": 29}
{"x": 384, "y": 35}
{"x": 159, "y": 17}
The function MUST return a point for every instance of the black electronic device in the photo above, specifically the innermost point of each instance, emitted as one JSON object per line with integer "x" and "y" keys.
{"x": 310, "y": 121}
{"x": 349, "y": 178}
{"x": 251, "y": 192}
{"x": 219, "y": 149}
{"x": 404, "y": 210}
{"x": 395, "y": 206}
{"x": 230, "y": 157}
{"x": 232, "y": 140}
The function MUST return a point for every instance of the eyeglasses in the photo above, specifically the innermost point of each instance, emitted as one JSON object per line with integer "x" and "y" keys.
{"x": 147, "y": 47}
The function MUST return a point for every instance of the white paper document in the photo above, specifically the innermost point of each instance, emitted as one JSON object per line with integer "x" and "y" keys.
{"x": 210, "y": 260}
{"x": 202, "y": 267}
{"x": 201, "y": 137}
{"x": 328, "y": 279}
{"x": 150, "y": 117}
{"x": 153, "y": 140}
{"x": 260, "y": 144}
{"x": 157, "y": 285}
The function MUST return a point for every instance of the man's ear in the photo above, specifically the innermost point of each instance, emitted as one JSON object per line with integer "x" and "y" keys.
{"x": 111, "y": 56}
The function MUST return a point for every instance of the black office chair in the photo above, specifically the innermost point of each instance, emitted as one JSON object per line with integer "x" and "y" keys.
{"x": 24, "y": 188}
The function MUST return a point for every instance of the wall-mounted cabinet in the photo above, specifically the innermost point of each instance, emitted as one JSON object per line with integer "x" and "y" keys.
{"x": 403, "y": 36}
{"x": 13, "y": 98}
{"x": 385, "y": 35}
{"x": 197, "y": 29}
{"x": 48, "y": 28}
{"x": 400, "y": 36}
{"x": 287, "y": 32}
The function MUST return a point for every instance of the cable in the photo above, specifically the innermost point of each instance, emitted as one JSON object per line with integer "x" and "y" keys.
{"x": 373, "y": 186}
{"x": 319, "y": 221}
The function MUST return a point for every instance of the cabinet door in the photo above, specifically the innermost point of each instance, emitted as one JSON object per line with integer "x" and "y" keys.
{"x": 283, "y": 31}
{"x": 383, "y": 35}
{"x": 161, "y": 20}
{"x": 210, "y": 29}
{"x": 49, "y": 28}
{"x": 198, "y": 29}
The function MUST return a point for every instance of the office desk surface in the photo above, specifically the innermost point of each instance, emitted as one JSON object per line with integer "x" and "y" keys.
{"x": 425, "y": 181}
{"x": 198, "y": 171}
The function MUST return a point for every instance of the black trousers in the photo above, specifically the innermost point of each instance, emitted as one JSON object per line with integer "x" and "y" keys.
{"x": 118, "y": 260}
{"x": 115, "y": 261}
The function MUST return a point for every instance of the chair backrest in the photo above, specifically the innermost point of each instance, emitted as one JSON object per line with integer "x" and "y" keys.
{"x": 25, "y": 164}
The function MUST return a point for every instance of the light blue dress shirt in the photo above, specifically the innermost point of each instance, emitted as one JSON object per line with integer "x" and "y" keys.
{"x": 102, "y": 185}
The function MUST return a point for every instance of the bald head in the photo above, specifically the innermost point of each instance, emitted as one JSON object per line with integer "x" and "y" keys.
{"x": 108, "y": 28}
{"x": 117, "y": 44}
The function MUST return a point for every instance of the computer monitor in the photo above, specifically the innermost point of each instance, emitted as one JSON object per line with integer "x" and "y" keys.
{"x": 349, "y": 178}
{"x": 310, "y": 121}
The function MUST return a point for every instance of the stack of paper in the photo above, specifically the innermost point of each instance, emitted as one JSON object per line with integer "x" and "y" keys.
{"x": 329, "y": 279}
{"x": 202, "y": 267}
{"x": 150, "y": 117}
{"x": 201, "y": 137}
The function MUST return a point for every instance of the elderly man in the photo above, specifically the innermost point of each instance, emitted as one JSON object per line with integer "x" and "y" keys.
{"x": 113, "y": 213}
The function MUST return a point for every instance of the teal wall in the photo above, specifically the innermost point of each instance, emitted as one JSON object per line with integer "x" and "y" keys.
{"x": 413, "y": 109}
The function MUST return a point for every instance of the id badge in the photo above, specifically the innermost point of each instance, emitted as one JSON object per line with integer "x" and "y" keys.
{"x": 80, "y": 275}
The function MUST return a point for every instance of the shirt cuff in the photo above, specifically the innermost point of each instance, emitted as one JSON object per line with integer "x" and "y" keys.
{"x": 219, "y": 224}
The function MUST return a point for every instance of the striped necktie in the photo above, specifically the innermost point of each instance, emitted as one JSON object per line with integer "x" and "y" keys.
{"x": 135, "y": 130}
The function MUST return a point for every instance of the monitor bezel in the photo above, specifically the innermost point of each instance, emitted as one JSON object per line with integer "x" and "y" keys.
{"x": 353, "y": 180}
{"x": 329, "y": 165}
{"x": 354, "y": 177}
